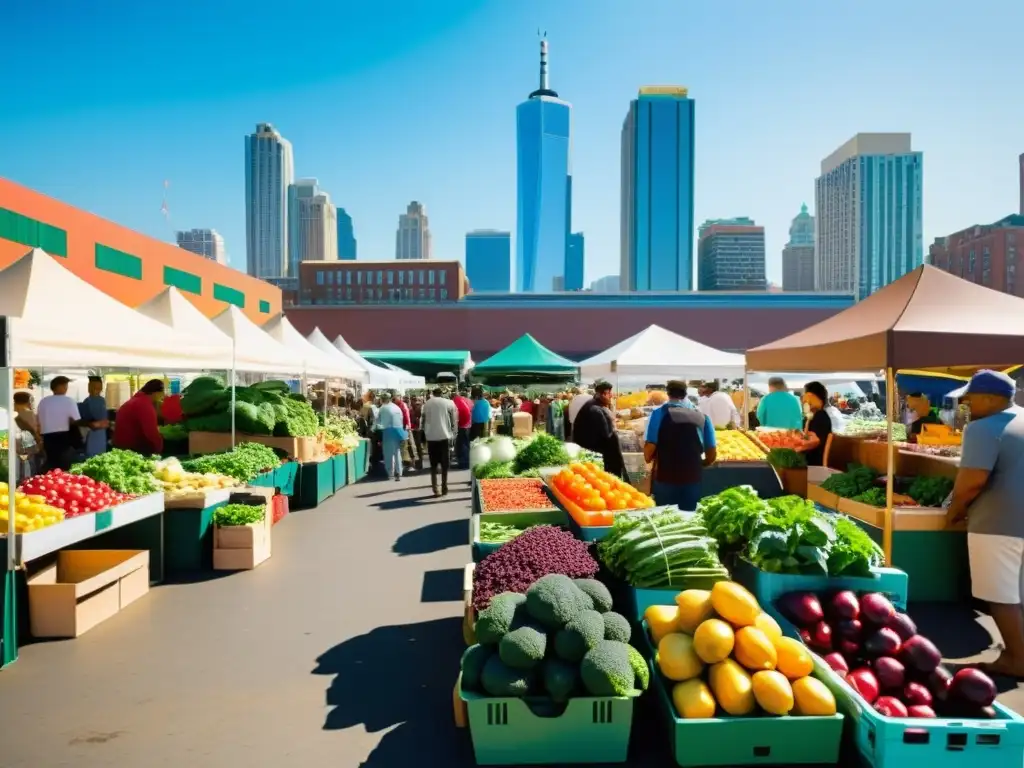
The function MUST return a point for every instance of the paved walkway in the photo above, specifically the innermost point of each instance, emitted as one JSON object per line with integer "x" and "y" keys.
{"x": 340, "y": 651}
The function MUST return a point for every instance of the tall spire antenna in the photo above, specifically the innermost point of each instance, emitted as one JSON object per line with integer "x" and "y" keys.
{"x": 545, "y": 89}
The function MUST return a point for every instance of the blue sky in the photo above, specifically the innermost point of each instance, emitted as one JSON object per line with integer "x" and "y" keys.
{"x": 386, "y": 102}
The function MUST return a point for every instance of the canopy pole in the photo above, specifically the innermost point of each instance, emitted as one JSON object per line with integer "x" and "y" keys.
{"x": 890, "y": 464}
{"x": 12, "y": 452}
{"x": 746, "y": 398}
{"x": 233, "y": 361}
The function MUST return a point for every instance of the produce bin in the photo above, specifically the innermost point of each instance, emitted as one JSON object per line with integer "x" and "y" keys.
{"x": 572, "y": 511}
{"x": 263, "y": 480}
{"x": 729, "y": 474}
{"x": 300, "y": 448}
{"x": 316, "y": 483}
{"x": 482, "y": 549}
{"x": 361, "y": 457}
{"x": 339, "y": 464}
{"x": 286, "y": 476}
{"x": 506, "y": 731}
{"x": 188, "y": 537}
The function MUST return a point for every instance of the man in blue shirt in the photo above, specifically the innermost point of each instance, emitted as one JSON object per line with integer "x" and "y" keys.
{"x": 481, "y": 414}
{"x": 680, "y": 440}
{"x": 780, "y": 408}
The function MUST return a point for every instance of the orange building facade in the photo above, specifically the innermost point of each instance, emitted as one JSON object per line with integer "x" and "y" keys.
{"x": 129, "y": 266}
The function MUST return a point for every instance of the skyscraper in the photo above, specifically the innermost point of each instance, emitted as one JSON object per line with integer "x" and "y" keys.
{"x": 489, "y": 261}
{"x": 543, "y": 186}
{"x": 346, "y": 237}
{"x": 575, "y": 262}
{"x": 204, "y": 242}
{"x": 269, "y": 169}
{"x": 412, "y": 240}
{"x": 312, "y": 225}
{"x": 731, "y": 256}
{"x": 798, "y": 254}
{"x": 869, "y": 214}
{"x": 656, "y": 229}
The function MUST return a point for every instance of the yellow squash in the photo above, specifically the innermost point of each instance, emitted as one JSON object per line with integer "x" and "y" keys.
{"x": 713, "y": 641}
{"x": 734, "y": 603}
{"x": 754, "y": 650}
{"x": 693, "y": 699}
{"x": 732, "y": 687}
{"x": 694, "y": 607}
{"x": 773, "y": 692}
{"x": 676, "y": 658}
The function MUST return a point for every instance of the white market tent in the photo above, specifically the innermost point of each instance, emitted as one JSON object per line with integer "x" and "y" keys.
{"x": 58, "y": 320}
{"x": 256, "y": 351}
{"x": 656, "y": 354}
{"x": 407, "y": 380}
{"x": 171, "y": 308}
{"x": 315, "y": 362}
{"x": 378, "y": 376}
{"x": 321, "y": 342}
{"x": 844, "y": 383}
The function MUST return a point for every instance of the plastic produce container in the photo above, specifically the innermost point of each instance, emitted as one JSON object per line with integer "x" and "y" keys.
{"x": 482, "y": 549}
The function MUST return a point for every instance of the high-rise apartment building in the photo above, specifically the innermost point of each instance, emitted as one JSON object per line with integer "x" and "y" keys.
{"x": 730, "y": 256}
{"x": 543, "y": 186}
{"x": 798, "y": 254}
{"x": 575, "y": 259}
{"x": 868, "y": 204}
{"x": 346, "y": 237}
{"x": 269, "y": 169}
{"x": 489, "y": 261}
{"x": 312, "y": 225}
{"x": 412, "y": 240}
{"x": 606, "y": 284}
{"x": 657, "y": 191}
{"x": 204, "y": 242}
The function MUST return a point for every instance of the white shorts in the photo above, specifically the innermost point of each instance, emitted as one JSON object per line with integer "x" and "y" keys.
{"x": 997, "y": 567}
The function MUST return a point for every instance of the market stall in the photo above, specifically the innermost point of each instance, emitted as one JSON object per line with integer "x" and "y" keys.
{"x": 316, "y": 362}
{"x": 378, "y": 376}
{"x": 908, "y": 326}
{"x": 429, "y": 363}
{"x": 525, "y": 361}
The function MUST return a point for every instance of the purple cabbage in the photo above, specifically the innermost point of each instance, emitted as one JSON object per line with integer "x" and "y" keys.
{"x": 536, "y": 552}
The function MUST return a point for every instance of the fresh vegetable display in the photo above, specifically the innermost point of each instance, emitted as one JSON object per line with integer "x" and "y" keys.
{"x": 502, "y": 457}
{"x": 786, "y": 458}
{"x": 854, "y": 481}
{"x": 721, "y": 654}
{"x": 513, "y": 495}
{"x": 595, "y": 490}
{"x": 267, "y": 408}
{"x": 661, "y": 548}
{"x": 173, "y": 432}
{"x": 869, "y": 420}
{"x": 543, "y": 450}
{"x": 790, "y": 439}
{"x": 73, "y": 494}
{"x": 734, "y": 445}
{"x": 231, "y": 515}
{"x": 877, "y": 651}
{"x": 31, "y": 512}
{"x": 339, "y": 433}
{"x": 930, "y": 491}
{"x": 788, "y": 534}
{"x": 542, "y": 550}
{"x": 499, "y": 533}
{"x": 124, "y": 471}
{"x": 176, "y": 481}
{"x": 558, "y": 640}
{"x": 243, "y": 463}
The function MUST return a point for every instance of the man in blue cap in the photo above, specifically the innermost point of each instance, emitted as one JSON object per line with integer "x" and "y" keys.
{"x": 989, "y": 494}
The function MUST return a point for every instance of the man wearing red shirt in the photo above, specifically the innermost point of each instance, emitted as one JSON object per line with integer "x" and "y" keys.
{"x": 136, "y": 427}
{"x": 465, "y": 412}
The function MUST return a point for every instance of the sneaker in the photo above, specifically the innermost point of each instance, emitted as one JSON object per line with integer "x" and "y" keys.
{"x": 397, "y": 478}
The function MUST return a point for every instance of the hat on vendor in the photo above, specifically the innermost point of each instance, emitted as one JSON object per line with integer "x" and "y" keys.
{"x": 991, "y": 383}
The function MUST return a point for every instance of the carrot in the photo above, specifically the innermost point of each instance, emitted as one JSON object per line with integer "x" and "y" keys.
{"x": 513, "y": 495}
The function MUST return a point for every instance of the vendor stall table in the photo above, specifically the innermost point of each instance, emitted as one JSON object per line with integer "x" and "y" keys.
{"x": 315, "y": 483}
{"x": 729, "y": 474}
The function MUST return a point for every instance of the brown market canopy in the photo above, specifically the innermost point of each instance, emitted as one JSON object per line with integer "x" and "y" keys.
{"x": 928, "y": 319}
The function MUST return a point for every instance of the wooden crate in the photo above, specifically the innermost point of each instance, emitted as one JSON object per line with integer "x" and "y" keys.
{"x": 302, "y": 449}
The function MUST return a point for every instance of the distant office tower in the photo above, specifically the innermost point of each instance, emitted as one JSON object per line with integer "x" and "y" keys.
{"x": 346, "y": 237}
{"x": 868, "y": 214}
{"x": 736, "y": 221}
{"x": 986, "y": 254}
{"x": 413, "y": 238}
{"x": 798, "y": 254}
{"x": 731, "y": 256}
{"x": 312, "y": 225}
{"x": 574, "y": 263}
{"x": 269, "y": 169}
{"x": 657, "y": 191}
{"x": 607, "y": 284}
{"x": 489, "y": 261}
{"x": 204, "y": 242}
{"x": 543, "y": 186}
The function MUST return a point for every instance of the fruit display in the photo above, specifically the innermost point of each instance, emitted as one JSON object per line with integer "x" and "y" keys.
{"x": 722, "y": 654}
{"x": 31, "y": 511}
{"x": 632, "y": 400}
{"x": 339, "y": 434}
{"x": 558, "y": 640}
{"x": 594, "y": 490}
{"x": 513, "y": 495}
{"x": 877, "y": 651}
{"x": 661, "y": 548}
{"x": 175, "y": 481}
{"x": 734, "y": 445}
{"x": 781, "y": 438}
{"x": 72, "y": 494}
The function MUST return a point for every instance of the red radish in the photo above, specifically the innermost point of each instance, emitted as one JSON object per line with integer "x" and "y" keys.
{"x": 903, "y": 626}
{"x": 889, "y": 673}
{"x": 821, "y": 636}
{"x": 973, "y": 686}
{"x": 849, "y": 648}
{"x": 920, "y": 654}
{"x": 920, "y": 710}
{"x": 844, "y": 605}
{"x": 917, "y": 694}
{"x": 848, "y": 629}
{"x": 938, "y": 682}
{"x": 884, "y": 642}
{"x": 802, "y": 608}
{"x": 875, "y": 608}
{"x": 837, "y": 662}
{"x": 890, "y": 706}
{"x": 863, "y": 681}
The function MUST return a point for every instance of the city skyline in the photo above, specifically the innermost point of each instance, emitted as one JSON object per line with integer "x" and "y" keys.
{"x": 269, "y": 170}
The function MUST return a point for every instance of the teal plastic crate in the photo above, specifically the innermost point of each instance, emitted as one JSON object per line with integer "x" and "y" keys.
{"x": 588, "y": 532}
{"x": 263, "y": 480}
{"x": 637, "y": 600}
{"x": 506, "y": 731}
{"x": 316, "y": 483}
{"x": 482, "y": 549}
{"x": 285, "y": 477}
{"x": 339, "y": 465}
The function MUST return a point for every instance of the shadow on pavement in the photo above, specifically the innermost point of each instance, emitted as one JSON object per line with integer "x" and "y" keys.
{"x": 400, "y": 678}
{"x": 432, "y": 538}
{"x": 425, "y": 500}
{"x": 444, "y": 586}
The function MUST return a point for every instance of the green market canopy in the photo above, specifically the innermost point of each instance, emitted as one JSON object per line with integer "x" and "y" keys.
{"x": 427, "y": 364}
{"x": 525, "y": 360}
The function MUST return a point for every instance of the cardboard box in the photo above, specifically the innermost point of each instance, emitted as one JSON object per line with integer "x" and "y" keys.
{"x": 83, "y": 588}
{"x": 302, "y": 449}
{"x": 243, "y": 547}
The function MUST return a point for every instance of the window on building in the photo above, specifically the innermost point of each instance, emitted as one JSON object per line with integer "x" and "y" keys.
{"x": 348, "y": 293}
{"x": 422, "y": 292}
{"x": 391, "y": 277}
{"x": 443, "y": 276}
{"x": 431, "y": 276}
{"x": 359, "y": 278}
{"x": 330, "y": 278}
{"x": 401, "y": 277}
{"x": 380, "y": 277}
{"x": 410, "y": 277}
{"x": 35, "y": 234}
{"x": 319, "y": 277}
{"x": 348, "y": 277}
{"x": 970, "y": 267}
{"x": 380, "y": 294}
{"x": 421, "y": 276}
{"x": 433, "y": 294}
{"x": 444, "y": 292}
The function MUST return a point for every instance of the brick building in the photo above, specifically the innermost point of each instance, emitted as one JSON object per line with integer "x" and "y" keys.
{"x": 381, "y": 282}
{"x": 984, "y": 254}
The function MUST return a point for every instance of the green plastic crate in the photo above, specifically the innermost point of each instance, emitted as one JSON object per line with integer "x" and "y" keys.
{"x": 285, "y": 478}
{"x": 339, "y": 464}
{"x": 482, "y": 549}
{"x": 505, "y": 731}
{"x": 316, "y": 483}
{"x": 263, "y": 480}
{"x": 188, "y": 539}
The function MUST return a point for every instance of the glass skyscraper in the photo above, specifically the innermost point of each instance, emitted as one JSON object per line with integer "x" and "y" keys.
{"x": 346, "y": 237}
{"x": 544, "y": 187}
{"x": 574, "y": 262}
{"x": 657, "y": 191}
{"x": 489, "y": 261}
{"x": 269, "y": 169}
{"x": 869, "y": 214}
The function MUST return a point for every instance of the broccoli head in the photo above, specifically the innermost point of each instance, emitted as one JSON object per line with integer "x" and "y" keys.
{"x": 579, "y": 636}
{"x": 499, "y": 679}
{"x": 597, "y": 592}
{"x": 616, "y": 627}
{"x": 473, "y": 660}
{"x": 606, "y": 670}
{"x": 553, "y": 600}
{"x": 499, "y": 617}
{"x": 640, "y": 668}
{"x": 560, "y": 679}
{"x": 523, "y": 648}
